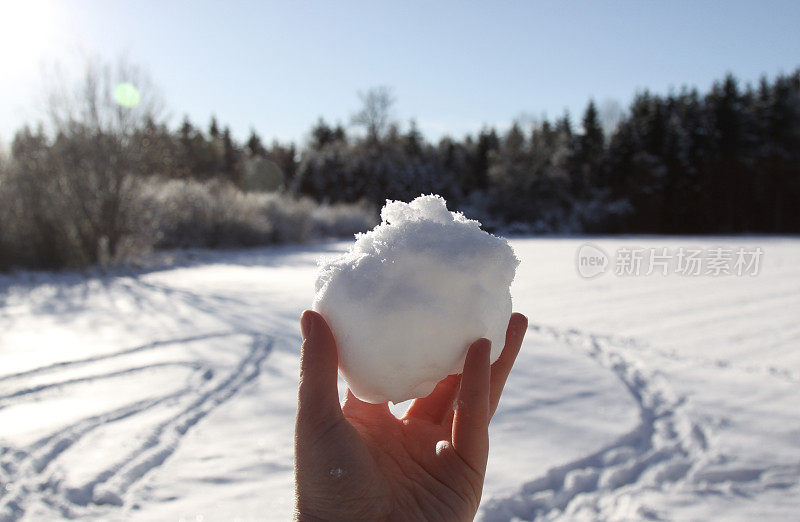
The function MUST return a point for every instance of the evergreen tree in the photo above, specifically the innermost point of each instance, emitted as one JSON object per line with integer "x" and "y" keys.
{"x": 339, "y": 134}
{"x": 230, "y": 163}
{"x": 590, "y": 151}
{"x": 254, "y": 145}
{"x": 321, "y": 135}
{"x": 213, "y": 128}
{"x": 412, "y": 141}
{"x": 487, "y": 144}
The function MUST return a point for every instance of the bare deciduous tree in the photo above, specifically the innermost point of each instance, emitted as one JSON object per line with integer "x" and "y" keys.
{"x": 80, "y": 178}
{"x": 375, "y": 114}
{"x": 611, "y": 115}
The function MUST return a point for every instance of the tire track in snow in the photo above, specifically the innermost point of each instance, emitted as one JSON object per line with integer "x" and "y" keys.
{"x": 664, "y": 447}
{"x": 25, "y": 470}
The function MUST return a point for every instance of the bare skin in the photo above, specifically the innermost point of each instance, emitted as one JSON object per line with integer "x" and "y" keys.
{"x": 356, "y": 461}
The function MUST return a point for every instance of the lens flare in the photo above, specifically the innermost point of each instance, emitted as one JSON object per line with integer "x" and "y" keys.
{"x": 127, "y": 95}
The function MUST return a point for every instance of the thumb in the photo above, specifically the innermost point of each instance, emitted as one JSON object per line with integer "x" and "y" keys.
{"x": 318, "y": 397}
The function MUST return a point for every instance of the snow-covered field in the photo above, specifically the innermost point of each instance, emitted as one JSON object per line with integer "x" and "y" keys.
{"x": 170, "y": 394}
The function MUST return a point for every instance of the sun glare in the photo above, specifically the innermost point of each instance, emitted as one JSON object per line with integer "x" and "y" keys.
{"x": 26, "y": 30}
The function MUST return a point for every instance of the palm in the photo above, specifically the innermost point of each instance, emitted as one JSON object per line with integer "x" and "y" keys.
{"x": 359, "y": 462}
{"x": 400, "y": 463}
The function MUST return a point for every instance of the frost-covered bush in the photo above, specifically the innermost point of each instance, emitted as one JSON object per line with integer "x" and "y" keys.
{"x": 174, "y": 213}
{"x": 290, "y": 218}
{"x": 204, "y": 214}
{"x": 342, "y": 220}
{"x": 211, "y": 214}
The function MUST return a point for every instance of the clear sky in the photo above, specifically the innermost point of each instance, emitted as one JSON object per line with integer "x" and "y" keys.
{"x": 453, "y": 66}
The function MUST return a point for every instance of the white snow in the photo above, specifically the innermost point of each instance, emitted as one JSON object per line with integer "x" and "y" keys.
{"x": 410, "y": 296}
{"x": 170, "y": 394}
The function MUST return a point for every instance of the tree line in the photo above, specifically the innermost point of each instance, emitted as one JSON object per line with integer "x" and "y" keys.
{"x": 723, "y": 161}
{"x": 104, "y": 179}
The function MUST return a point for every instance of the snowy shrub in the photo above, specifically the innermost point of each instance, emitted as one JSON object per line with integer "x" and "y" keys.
{"x": 290, "y": 218}
{"x": 212, "y": 214}
{"x": 343, "y": 220}
{"x": 204, "y": 214}
{"x": 161, "y": 213}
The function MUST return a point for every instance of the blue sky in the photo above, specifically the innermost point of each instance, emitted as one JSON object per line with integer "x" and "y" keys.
{"x": 453, "y": 66}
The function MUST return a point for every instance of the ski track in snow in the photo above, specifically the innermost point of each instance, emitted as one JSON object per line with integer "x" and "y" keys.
{"x": 665, "y": 449}
{"x": 76, "y": 362}
{"x": 27, "y": 469}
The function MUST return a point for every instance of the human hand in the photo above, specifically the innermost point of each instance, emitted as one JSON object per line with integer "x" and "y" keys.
{"x": 358, "y": 462}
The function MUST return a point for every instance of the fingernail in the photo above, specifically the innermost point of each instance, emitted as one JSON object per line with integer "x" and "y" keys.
{"x": 306, "y": 321}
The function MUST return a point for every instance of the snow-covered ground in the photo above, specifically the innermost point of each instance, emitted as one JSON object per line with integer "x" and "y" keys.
{"x": 170, "y": 394}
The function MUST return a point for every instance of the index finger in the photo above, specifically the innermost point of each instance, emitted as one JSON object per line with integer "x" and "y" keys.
{"x": 470, "y": 430}
{"x": 517, "y": 326}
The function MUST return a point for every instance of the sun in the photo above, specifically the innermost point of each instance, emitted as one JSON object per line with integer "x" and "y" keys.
{"x": 27, "y": 28}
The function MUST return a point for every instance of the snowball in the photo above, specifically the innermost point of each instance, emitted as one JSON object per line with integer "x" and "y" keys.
{"x": 410, "y": 296}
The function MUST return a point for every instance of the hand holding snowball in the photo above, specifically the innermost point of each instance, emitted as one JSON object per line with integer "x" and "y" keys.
{"x": 408, "y": 297}
{"x": 358, "y": 462}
